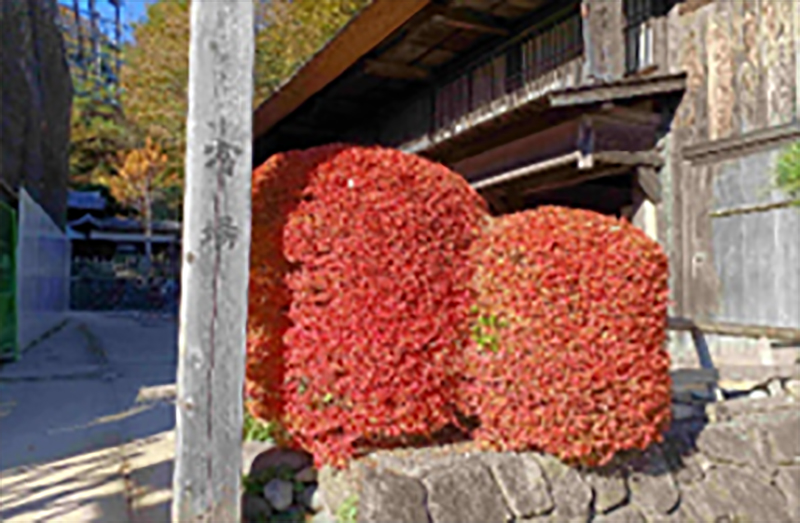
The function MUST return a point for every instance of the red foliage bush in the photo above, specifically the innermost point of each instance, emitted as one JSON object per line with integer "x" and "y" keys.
{"x": 568, "y": 351}
{"x": 374, "y": 250}
{"x": 278, "y": 187}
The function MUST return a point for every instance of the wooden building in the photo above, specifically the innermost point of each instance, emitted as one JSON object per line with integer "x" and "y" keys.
{"x": 669, "y": 112}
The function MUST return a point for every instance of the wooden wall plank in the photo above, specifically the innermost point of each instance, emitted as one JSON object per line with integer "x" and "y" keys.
{"x": 796, "y": 40}
{"x": 787, "y": 277}
{"x": 779, "y": 60}
{"x": 604, "y": 20}
{"x": 757, "y": 252}
{"x": 720, "y": 72}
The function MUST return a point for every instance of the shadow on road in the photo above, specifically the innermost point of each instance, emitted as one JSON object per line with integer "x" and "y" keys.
{"x": 76, "y": 417}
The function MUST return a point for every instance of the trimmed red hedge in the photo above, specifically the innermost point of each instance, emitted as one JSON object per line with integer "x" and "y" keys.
{"x": 278, "y": 187}
{"x": 375, "y": 244}
{"x": 568, "y": 353}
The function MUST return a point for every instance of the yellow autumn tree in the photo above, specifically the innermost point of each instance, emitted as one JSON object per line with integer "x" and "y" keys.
{"x": 155, "y": 69}
{"x": 289, "y": 32}
{"x": 141, "y": 180}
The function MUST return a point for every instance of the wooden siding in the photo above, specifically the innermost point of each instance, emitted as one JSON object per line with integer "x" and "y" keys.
{"x": 758, "y": 252}
{"x": 741, "y": 59}
{"x": 544, "y": 50}
{"x": 547, "y": 58}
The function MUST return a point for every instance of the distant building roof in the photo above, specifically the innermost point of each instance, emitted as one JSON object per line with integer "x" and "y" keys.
{"x": 115, "y": 223}
{"x": 88, "y": 200}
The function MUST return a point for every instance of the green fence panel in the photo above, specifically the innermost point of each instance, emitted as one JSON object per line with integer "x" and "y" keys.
{"x": 8, "y": 283}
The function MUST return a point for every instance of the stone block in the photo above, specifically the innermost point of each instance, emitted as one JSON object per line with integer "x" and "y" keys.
{"x": 783, "y": 435}
{"x": 627, "y": 514}
{"x": 749, "y": 497}
{"x": 389, "y": 497}
{"x": 336, "y": 486}
{"x": 275, "y": 458}
{"x": 279, "y": 493}
{"x": 729, "y": 443}
{"x": 571, "y": 495}
{"x": 255, "y": 508}
{"x": 465, "y": 493}
{"x": 788, "y": 481}
{"x": 523, "y": 484}
{"x": 652, "y": 486}
{"x": 610, "y": 489}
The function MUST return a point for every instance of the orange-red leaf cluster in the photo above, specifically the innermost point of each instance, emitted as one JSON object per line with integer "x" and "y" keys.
{"x": 569, "y": 356}
{"x": 367, "y": 250}
{"x": 278, "y": 187}
{"x": 382, "y": 298}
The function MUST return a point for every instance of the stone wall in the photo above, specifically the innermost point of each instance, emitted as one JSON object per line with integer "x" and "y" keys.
{"x": 36, "y": 105}
{"x": 735, "y": 460}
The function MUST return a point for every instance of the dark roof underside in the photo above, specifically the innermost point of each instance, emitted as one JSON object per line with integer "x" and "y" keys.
{"x": 427, "y": 50}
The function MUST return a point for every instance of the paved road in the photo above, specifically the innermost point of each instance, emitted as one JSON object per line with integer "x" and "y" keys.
{"x": 70, "y": 408}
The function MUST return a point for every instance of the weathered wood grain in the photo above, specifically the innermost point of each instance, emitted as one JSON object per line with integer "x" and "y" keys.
{"x": 721, "y": 99}
{"x": 754, "y": 240}
{"x": 796, "y": 40}
{"x": 777, "y": 54}
{"x": 216, "y": 245}
{"x": 750, "y": 209}
{"x": 734, "y": 329}
{"x": 604, "y": 21}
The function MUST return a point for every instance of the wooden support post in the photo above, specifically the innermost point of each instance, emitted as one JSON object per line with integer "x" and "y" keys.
{"x": 643, "y": 210}
{"x": 216, "y": 250}
{"x": 603, "y": 42}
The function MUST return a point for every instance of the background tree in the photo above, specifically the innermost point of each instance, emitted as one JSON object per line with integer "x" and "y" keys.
{"x": 153, "y": 101}
{"x": 156, "y": 66}
{"x": 140, "y": 181}
{"x": 99, "y": 129}
{"x": 154, "y": 77}
{"x": 289, "y": 32}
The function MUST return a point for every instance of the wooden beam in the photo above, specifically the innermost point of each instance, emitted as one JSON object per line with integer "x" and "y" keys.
{"x": 630, "y": 114}
{"x": 470, "y": 20}
{"x": 526, "y": 4}
{"x": 750, "y": 209}
{"x": 620, "y": 90}
{"x": 743, "y": 145}
{"x": 734, "y": 329}
{"x": 647, "y": 179}
{"x": 304, "y": 130}
{"x": 633, "y": 159}
{"x": 569, "y": 178}
{"x": 368, "y": 29}
{"x": 516, "y": 174}
{"x": 394, "y": 70}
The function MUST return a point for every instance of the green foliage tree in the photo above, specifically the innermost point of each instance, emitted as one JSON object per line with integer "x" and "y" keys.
{"x": 140, "y": 182}
{"x": 788, "y": 172}
{"x": 289, "y": 32}
{"x": 99, "y": 128}
{"x": 154, "y": 77}
{"x": 153, "y": 100}
{"x": 155, "y": 68}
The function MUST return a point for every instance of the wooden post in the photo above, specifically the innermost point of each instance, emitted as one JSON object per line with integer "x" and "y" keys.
{"x": 603, "y": 40}
{"x": 644, "y": 212}
{"x": 216, "y": 250}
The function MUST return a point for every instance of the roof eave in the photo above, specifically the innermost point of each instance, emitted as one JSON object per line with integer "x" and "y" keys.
{"x": 362, "y": 34}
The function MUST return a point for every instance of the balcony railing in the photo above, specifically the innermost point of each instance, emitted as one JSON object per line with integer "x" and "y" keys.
{"x": 509, "y": 70}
